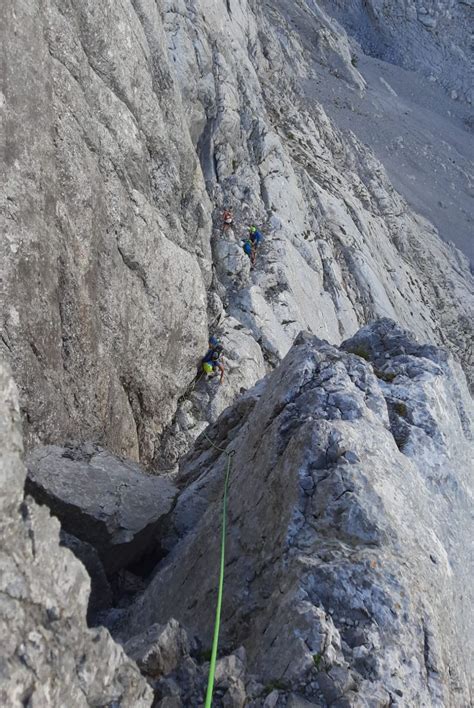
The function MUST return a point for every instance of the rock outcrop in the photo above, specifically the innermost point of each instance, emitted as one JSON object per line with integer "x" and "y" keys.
{"x": 347, "y": 576}
{"x": 48, "y": 656}
{"x": 113, "y": 505}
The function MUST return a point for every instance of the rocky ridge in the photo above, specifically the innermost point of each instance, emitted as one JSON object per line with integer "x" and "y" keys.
{"x": 133, "y": 126}
{"x": 347, "y": 575}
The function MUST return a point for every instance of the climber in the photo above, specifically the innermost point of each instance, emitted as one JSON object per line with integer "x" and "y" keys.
{"x": 212, "y": 363}
{"x": 251, "y": 243}
{"x": 255, "y": 236}
{"x": 249, "y": 249}
{"x": 228, "y": 218}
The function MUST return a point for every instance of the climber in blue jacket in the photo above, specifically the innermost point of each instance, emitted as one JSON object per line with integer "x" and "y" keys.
{"x": 255, "y": 236}
{"x": 251, "y": 243}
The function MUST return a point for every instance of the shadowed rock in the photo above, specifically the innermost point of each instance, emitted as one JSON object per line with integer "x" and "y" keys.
{"x": 107, "y": 502}
{"x": 101, "y": 592}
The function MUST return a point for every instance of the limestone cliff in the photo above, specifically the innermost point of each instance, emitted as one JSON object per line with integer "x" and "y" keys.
{"x": 48, "y": 656}
{"x": 128, "y": 128}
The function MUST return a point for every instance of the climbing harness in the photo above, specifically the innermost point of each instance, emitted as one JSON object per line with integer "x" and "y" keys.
{"x": 215, "y": 641}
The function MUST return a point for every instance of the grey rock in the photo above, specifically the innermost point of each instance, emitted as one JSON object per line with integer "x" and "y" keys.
{"x": 335, "y": 683}
{"x": 123, "y": 182}
{"x": 230, "y": 668}
{"x": 271, "y": 700}
{"x": 48, "y": 655}
{"x": 101, "y": 592}
{"x": 295, "y": 701}
{"x": 235, "y": 696}
{"x": 142, "y": 149}
{"x": 170, "y": 702}
{"x": 338, "y": 586}
{"x": 130, "y": 126}
{"x": 112, "y": 504}
{"x": 160, "y": 649}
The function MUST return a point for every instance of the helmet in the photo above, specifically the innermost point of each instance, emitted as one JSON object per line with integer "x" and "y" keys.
{"x": 252, "y": 229}
{"x": 213, "y": 341}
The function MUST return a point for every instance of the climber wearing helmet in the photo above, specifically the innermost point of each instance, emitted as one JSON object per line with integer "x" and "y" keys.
{"x": 255, "y": 236}
{"x": 212, "y": 363}
{"x": 251, "y": 243}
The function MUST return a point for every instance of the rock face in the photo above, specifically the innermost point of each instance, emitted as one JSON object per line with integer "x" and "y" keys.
{"x": 48, "y": 656}
{"x": 347, "y": 576}
{"x": 107, "y": 220}
{"x": 132, "y": 126}
{"x": 101, "y": 596}
{"x": 111, "y": 504}
{"x": 129, "y": 128}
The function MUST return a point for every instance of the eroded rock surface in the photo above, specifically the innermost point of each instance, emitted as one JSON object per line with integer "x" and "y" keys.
{"x": 48, "y": 656}
{"x": 348, "y": 571}
{"x": 129, "y": 127}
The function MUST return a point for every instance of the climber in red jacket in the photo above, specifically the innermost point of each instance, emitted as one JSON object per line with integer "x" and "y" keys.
{"x": 228, "y": 218}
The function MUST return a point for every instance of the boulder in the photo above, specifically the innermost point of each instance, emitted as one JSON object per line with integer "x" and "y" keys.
{"x": 111, "y": 504}
{"x": 160, "y": 649}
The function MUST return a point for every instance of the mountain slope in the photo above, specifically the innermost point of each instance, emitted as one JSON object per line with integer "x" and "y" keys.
{"x": 131, "y": 129}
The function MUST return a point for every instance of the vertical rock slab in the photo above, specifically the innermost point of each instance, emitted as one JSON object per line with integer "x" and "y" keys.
{"x": 106, "y": 222}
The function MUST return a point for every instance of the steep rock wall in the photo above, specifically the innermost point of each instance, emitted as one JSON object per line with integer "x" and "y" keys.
{"x": 104, "y": 265}
{"x": 132, "y": 126}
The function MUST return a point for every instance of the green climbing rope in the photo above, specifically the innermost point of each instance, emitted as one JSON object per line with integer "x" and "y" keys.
{"x": 217, "y": 623}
